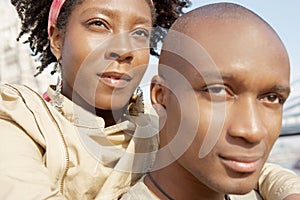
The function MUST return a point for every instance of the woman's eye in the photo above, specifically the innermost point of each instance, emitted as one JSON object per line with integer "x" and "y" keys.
{"x": 96, "y": 24}
{"x": 141, "y": 33}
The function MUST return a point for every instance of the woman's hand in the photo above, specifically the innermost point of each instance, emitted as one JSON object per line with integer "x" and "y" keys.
{"x": 292, "y": 197}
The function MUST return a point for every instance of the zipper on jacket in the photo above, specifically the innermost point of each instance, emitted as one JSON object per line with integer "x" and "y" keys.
{"x": 67, "y": 158}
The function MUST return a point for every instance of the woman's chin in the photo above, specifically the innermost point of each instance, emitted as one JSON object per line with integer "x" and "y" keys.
{"x": 117, "y": 103}
{"x": 110, "y": 107}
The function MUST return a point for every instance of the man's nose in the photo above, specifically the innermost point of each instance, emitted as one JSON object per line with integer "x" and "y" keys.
{"x": 247, "y": 121}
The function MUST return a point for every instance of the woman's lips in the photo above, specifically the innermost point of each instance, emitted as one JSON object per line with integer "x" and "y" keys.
{"x": 241, "y": 165}
{"x": 115, "y": 79}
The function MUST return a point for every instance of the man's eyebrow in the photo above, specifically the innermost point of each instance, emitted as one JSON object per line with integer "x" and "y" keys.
{"x": 209, "y": 76}
{"x": 213, "y": 75}
{"x": 282, "y": 89}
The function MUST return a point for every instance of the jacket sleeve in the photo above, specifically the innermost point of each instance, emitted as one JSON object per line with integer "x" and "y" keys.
{"x": 23, "y": 174}
{"x": 276, "y": 183}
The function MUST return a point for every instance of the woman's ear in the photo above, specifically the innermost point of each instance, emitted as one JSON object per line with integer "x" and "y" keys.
{"x": 56, "y": 41}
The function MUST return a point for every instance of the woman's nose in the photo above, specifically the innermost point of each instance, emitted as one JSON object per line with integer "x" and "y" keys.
{"x": 120, "y": 49}
{"x": 120, "y": 56}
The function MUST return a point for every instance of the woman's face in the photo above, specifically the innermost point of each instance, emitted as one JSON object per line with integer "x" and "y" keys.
{"x": 105, "y": 51}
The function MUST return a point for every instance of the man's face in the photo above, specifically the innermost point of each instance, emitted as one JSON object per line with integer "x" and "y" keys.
{"x": 233, "y": 94}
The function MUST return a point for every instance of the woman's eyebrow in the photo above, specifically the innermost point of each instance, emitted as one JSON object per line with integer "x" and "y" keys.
{"x": 112, "y": 14}
{"x": 106, "y": 11}
{"x": 143, "y": 20}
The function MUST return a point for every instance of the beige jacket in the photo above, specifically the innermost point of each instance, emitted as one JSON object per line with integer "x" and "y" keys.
{"x": 275, "y": 183}
{"x": 47, "y": 155}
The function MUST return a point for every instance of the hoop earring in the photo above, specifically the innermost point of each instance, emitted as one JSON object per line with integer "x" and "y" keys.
{"x": 57, "y": 100}
{"x": 136, "y": 102}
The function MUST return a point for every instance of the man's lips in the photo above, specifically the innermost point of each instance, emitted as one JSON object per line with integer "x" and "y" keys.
{"x": 241, "y": 164}
{"x": 115, "y": 79}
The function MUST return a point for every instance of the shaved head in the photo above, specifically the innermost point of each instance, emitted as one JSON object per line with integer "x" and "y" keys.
{"x": 200, "y": 28}
{"x": 218, "y": 11}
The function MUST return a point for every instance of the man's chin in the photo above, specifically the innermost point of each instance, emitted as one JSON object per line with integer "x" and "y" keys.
{"x": 240, "y": 187}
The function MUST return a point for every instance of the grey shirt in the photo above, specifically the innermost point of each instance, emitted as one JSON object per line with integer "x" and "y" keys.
{"x": 140, "y": 191}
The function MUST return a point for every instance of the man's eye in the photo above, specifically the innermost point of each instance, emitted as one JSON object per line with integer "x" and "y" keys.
{"x": 219, "y": 90}
{"x": 217, "y": 93}
{"x": 273, "y": 99}
{"x": 216, "y": 90}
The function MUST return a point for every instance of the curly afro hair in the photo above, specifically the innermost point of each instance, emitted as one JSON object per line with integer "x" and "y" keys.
{"x": 34, "y": 21}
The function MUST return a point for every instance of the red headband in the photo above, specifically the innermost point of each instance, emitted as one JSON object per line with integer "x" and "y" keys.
{"x": 55, "y": 10}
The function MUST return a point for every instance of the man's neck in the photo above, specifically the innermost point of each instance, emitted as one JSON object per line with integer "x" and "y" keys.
{"x": 178, "y": 183}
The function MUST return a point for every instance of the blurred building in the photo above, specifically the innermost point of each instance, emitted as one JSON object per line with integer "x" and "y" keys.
{"x": 16, "y": 64}
{"x": 291, "y": 116}
{"x": 286, "y": 149}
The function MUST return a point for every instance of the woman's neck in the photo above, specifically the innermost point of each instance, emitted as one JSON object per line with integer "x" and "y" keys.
{"x": 110, "y": 117}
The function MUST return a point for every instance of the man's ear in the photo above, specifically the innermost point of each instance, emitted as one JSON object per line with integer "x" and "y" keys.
{"x": 56, "y": 41}
{"x": 157, "y": 90}
{"x": 158, "y": 94}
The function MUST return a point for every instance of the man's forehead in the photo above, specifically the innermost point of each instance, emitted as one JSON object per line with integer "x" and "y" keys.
{"x": 206, "y": 46}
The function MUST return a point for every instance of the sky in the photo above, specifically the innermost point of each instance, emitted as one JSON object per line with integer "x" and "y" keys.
{"x": 283, "y": 16}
